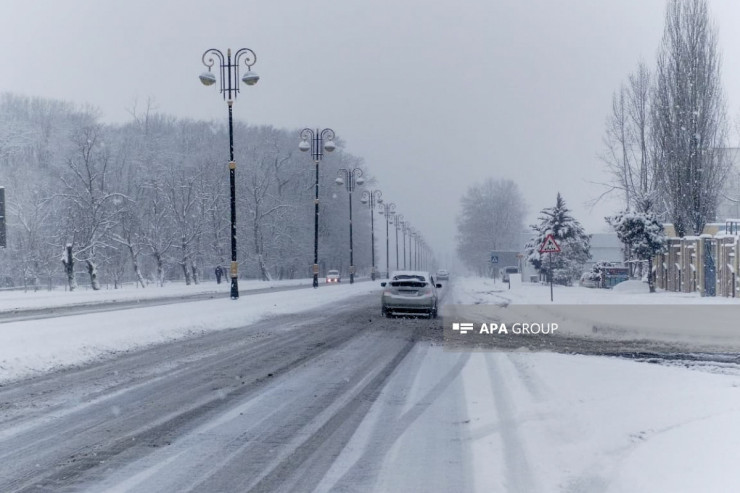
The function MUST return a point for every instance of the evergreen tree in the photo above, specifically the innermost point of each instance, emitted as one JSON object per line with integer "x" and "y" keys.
{"x": 575, "y": 244}
{"x": 643, "y": 234}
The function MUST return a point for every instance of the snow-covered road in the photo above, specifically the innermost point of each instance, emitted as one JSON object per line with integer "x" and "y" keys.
{"x": 336, "y": 398}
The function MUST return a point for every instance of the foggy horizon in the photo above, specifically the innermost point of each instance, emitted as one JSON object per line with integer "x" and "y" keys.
{"x": 434, "y": 97}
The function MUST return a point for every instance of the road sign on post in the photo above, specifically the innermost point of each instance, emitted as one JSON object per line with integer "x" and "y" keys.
{"x": 550, "y": 246}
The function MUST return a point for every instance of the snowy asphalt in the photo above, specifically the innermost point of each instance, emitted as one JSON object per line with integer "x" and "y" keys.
{"x": 266, "y": 407}
{"x": 82, "y": 427}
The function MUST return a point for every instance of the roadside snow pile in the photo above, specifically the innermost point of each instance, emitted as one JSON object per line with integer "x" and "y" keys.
{"x": 629, "y": 313}
{"x": 632, "y": 287}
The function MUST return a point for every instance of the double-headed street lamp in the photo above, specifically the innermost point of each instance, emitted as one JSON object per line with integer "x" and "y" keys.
{"x": 372, "y": 197}
{"x": 388, "y": 210}
{"x": 351, "y": 178}
{"x": 230, "y": 89}
{"x": 316, "y": 142}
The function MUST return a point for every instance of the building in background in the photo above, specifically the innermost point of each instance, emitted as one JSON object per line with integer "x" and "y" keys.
{"x": 728, "y": 206}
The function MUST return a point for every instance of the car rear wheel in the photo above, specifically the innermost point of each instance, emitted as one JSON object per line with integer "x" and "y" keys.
{"x": 433, "y": 312}
{"x": 386, "y": 313}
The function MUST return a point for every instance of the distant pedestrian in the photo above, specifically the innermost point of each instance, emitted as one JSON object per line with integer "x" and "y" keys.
{"x": 219, "y": 273}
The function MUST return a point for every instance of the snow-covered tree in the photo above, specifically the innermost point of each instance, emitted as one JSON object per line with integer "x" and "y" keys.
{"x": 89, "y": 199}
{"x": 628, "y": 142}
{"x": 688, "y": 117}
{"x": 150, "y": 198}
{"x": 575, "y": 244}
{"x": 492, "y": 218}
{"x": 644, "y": 235}
{"x": 596, "y": 273}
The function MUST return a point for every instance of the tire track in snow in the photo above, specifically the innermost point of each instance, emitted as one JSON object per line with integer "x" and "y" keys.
{"x": 85, "y": 438}
{"x": 519, "y": 477}
{"x": 390, "y": 429}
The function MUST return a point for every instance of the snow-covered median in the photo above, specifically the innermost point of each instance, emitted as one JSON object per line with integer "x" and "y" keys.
{"x": 34, "y": 346}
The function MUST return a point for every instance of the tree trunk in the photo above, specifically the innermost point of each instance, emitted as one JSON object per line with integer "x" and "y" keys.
{"x": 194, "y": 270}
{"x": 69, "y": 268}
{"x": 186, "y": 271}
{"x": 137, "y": 270}
{"x": 184, "y": 263}
{"x": 92, "y": 270}
{"x": 264, "y": 273}
{"x": 160, "y": 269}
{"x": 651, "y": 279}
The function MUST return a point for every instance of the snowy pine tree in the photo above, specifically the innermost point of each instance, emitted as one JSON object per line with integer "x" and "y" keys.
{"x": 643, "y": 236}
{"x": 575, "y": 244}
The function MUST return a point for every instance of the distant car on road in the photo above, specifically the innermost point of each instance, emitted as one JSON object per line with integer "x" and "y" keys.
{"x": 333, "y": 276}
{"x": 442, "y": 275}
{"x": 508, "y": 270}
{"x": 409, "y": 293}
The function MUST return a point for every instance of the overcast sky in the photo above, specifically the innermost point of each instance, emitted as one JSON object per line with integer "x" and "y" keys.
{"x": 435, "y": 96}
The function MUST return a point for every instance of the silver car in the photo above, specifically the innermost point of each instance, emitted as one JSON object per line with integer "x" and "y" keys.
{"x": 333, "y": 276}
{"x": 409, "y": 293}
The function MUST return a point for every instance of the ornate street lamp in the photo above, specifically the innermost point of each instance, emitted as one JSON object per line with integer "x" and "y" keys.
{"x": 372, "y": 197}
{"x": 388, "y": 210}
{"x": 351, "y": 178}
{"x": 316, "y": 142}
{"x": 229, "y": 80}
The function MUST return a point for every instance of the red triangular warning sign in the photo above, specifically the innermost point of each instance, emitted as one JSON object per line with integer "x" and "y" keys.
{"x": 549, "y": 245}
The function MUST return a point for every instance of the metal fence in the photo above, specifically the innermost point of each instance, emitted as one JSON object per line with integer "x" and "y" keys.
{"x": 706, "y": 264}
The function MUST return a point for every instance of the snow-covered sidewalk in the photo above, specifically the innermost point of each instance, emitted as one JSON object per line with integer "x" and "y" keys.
{"x": 628, "y": 311}
{"x": 472, "y": 290}
{"x": 44, "y": 298}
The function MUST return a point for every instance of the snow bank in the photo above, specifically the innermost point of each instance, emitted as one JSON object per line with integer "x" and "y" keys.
{"x": 34, "y": 346}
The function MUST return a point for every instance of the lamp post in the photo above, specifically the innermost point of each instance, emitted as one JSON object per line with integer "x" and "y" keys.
{"x": 412, "y": 234}
{"x": 412, "y": 250}
{"x": 372, "y": 197}
{"x": 388, "y": 210}
{"x": 229, "y": 80}
{"x": 417, "y": 252}
{"x": 404, "y": 228}
{"x": 351, "y": 178}
{"x": 314, "y": 141}
{"x": 398, "y": 223}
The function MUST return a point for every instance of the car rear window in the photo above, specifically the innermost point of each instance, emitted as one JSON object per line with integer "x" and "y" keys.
{"x": 408, "y": 284}
{"x": 408, "y": 281}
{"x": 403, "y": 277}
